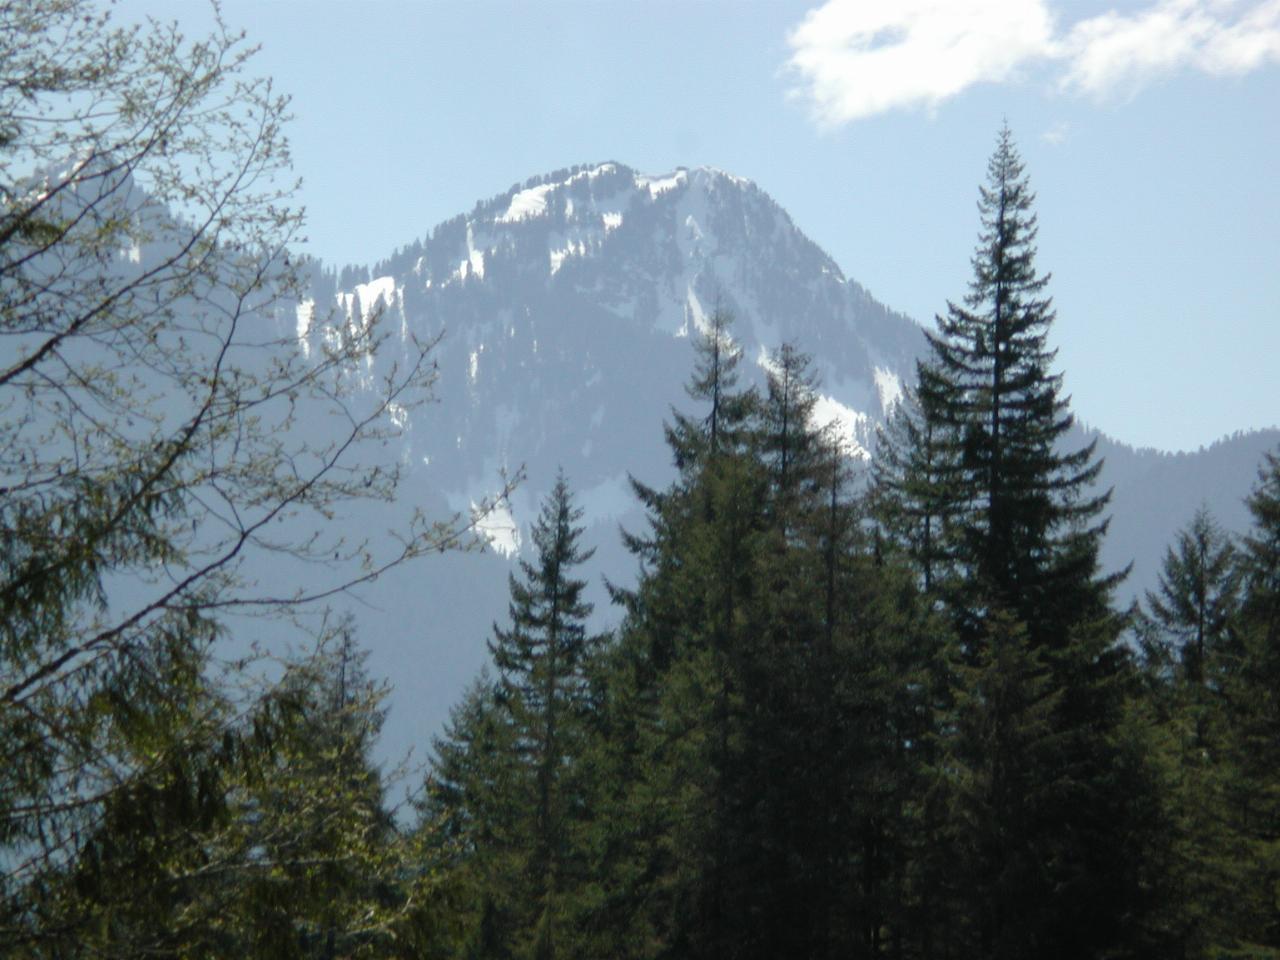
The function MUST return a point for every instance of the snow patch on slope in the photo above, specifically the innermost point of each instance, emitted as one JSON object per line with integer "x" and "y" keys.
{"x": 474, "y": 264}
{"x": 889, "y": 387}
{"x": 694, "y": 311}
{"x": 498, "y": 527}
{"x": 532, "y": 201}
{"x": 660, "y": 185}
{"x": 527, "y": 203}
{"x": 558, "y": 256}
{"x": 305, "y": 316}
{"x": 381, "y": 288}
{"x": 845, "y": 421}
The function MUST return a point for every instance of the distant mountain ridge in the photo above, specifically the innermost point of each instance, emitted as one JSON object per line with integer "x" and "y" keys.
{"x": 565, "y": 306}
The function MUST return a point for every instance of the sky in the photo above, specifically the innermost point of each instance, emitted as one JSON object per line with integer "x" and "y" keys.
{"x": 1150, "y": 130}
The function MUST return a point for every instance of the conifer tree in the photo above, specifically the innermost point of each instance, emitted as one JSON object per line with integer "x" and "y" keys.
{"x": 1190, "y": 662}
{"x": 791, "y": 447}
{"x": 694, "y": 443}
{"x": 770, "y": 641}
{"x": 802, "y": 471}
{"x": 270, "y": 838}
{"x": 1029, "y": 515}
{"x": 686, "y": 640}
{"x": 714, "y": 383}
{"x": 461, "y": 787}
{"x": 1213, "y": 726}
{"x": 913, "y": 499}
{"x": 333, "y": 878}
{"x": 1260, "y": 561}
{"x": 505, "y": 793}
{"x": 1026, "y": 589}
{"x": 541, "y": 659}
{"x": 1196, "y": 596}
{"x": 1256, "y": 709}
{"x": 470, "y": 817}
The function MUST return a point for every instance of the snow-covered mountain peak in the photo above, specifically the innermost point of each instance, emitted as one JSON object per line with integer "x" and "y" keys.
{"x": 702, "y": 235}
{"x": 582, "y": 193}
{"x": 579, "y": 212}
{"x": 567, "y": 303}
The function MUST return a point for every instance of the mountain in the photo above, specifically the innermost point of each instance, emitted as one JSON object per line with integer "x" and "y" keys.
{"x": 575, "y": 293}
{"x": 563, "y": 309}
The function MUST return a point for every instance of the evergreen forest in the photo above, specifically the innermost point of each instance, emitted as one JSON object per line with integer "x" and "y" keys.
{"x": 846, "y": 710}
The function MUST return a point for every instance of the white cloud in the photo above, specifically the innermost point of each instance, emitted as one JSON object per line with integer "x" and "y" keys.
{"x": 855, "y": 58}
{"x": 1116, "y": 53}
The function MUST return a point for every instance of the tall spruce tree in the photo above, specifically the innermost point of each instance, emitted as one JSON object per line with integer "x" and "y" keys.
{"x": 1028, "y": 511}
{"x": 786, "y": 716}
{"x": 685, "y": 641}
{"x": 714, "y": 383}
{"x": 505, "y": 788}
{"x": 1035, "y": 742}
{"x": 695, "y": 442}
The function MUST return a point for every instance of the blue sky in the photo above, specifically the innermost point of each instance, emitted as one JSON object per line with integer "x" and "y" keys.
{"x": 1150, "y": 129}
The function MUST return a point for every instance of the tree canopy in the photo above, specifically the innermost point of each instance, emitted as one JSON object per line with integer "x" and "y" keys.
{"x": 902, "y": 719}
{"x": 164, "y": 441}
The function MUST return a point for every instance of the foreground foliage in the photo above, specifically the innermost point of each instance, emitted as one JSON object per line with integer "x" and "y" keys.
{"x": 162, "y": 442}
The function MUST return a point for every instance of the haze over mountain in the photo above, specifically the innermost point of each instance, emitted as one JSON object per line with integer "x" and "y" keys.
{"x": 564, "y": 308}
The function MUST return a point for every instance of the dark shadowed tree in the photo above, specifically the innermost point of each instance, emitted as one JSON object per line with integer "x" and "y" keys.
{"x": 1196, "y": 597}
{"x": 1023, "y": 588}
{"x": 1256, "y": 709}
